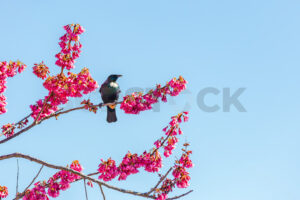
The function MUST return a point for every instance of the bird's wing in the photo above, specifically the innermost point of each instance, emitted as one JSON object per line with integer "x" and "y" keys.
{"x": 101, "y": 88}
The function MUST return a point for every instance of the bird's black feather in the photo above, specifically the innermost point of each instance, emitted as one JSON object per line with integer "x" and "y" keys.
{"x": 109, "y": 91}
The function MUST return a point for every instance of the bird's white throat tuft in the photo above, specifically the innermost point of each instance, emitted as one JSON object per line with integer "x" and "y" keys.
{"x": 113, "y": 84}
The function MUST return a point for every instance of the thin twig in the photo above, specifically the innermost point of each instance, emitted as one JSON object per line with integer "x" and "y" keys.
{"x": 34, "y": 178}
{"x": 179, "y": 196}
{"x": 170, "y": 133}
{"x": 41, "y": 111}
{"x": 18, "y": 196}
{"x": 160, "y": 180}
{"x": 92, "y": 174}
{"x": 102, "y": 192}
{"x": 17, "y": 186}
{"x": 86, "y": 194}
{"x": 163, "y": 142}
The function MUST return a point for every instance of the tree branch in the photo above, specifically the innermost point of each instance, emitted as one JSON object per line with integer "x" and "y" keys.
{"x": 100, "y": 183}
{"x": 56, "y": 114}
{"x": 102, "y": 192}
{"x": 160, "y": 180}
{"x": 179, "y": 196}
{"x": 41, "y": 111}
{"x": 17, "y": 134}
{"x": 19, "y": 155}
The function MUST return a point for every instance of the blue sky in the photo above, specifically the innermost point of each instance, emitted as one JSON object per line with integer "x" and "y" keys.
{"x": 220, "y": 44}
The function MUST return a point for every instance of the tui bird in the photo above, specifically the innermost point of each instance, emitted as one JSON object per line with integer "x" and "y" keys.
{"x": 110, "y": 93}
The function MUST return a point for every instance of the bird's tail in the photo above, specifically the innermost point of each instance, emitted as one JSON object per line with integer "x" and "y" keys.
{"x": 111, "y": 115}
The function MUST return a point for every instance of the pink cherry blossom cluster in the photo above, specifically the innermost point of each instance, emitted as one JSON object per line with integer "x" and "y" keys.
{"x": 47, "y": 109}
{"x": 37, "y": 193}
{"x": 108, "y": 169}
{"x": 41, "y": 70}
{"x": 8, "y": 129}
{"x": 70, "y": 46}
{"x": 150, "y": 161}
{"x": 181, "y": 176}
{"x": 171, "y": 131}
{"x": 166, "y": 187}
{"x": 3, "y": 192}
{"x": 59, "y": 181}
{"x": 8, "y": 70}
{"x": 73, "y": 85}
{"x": 129, "y": 165}
{"x": 137, "y": 102}
{"x": 61, "y": 87}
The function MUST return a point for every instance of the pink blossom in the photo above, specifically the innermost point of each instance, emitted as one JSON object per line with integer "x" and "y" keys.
{"x": 167, "y": 186}
{"x": 89, "y": 183}
{"x": 70, "y": 46}
{"x": 151, "y": 161}
{"x": 53, "y": 189}
{"x": 186, "y": 161}
{"x": 8, "y": 70}
{"x": 108, "y": 170}
{"x": 8, "y": 130}
{"x": 36, "y": 193}
{"x": 3, "y": 192}
{"x": 61, "y": 88}
{"x": 59, "y": 181}
{"x": 137, "y": 102}
{"x": 41, "y": 70}
{"x": 162, "y": 197}
{"x": 157, "y": 143}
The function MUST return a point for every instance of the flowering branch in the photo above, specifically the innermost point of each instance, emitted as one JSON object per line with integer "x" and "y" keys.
{"x": 130, "y": 103}
{"x": 160, "y": 180}
{"x": 19, "y": 155}
{"x": 25, "y": 119}
{"x": 27, "y": 157}
{"x": 13, "y": 126}
{"x": 179, "y": 196}
{"x": 44, "y": 105}
{"x": 108, "y": 170}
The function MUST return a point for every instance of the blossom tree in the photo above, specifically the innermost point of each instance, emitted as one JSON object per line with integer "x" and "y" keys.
{"x": 64, "y": 85}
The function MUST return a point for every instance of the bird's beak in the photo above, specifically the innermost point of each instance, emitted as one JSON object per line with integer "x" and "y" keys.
{"x": 119, "y": 75}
